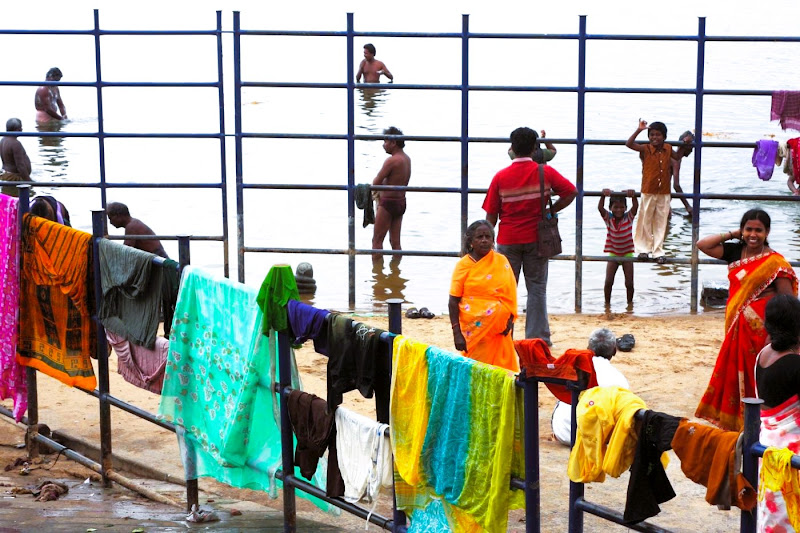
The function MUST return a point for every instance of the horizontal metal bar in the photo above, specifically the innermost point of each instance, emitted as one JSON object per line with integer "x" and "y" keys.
{"x": 333, "y": 251}
{"x": 109, "y": 32}
{"x": 310, "y": 186}
{"x": 187, "y": 84}
{"x": 758, "y": 450}
{"x": 360, "y": 512}
{"x": 108, "y": 185}
{"x": 163, "y": 237}
{"x": 132, "y": 409}
{"x": 517, "y": 483}
{"x": 613, "y": 516}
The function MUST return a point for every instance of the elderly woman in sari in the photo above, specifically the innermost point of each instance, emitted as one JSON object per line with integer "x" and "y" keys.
{"x": 756, "y": 274}
{"x": 778, "y": 384}
{"x": 483, "y": 300}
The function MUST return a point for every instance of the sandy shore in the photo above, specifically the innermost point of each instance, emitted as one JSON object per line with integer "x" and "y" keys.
{"x": 669, "y": 368}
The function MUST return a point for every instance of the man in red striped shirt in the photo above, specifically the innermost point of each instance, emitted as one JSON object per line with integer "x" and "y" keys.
{"x": 514, "y": 198}
{"x": 619, "y": 240}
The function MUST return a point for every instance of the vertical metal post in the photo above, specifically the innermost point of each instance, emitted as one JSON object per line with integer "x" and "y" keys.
{"x": 752, "y": 430}
{"x": 395, "y": 315}
{"x": 32, "y": 445}
{"x": 184, "y": 252}
{"x": 533, "y": 511}
{"x": 287, "y": 436}
{"x": 101, "y": 136}
{"x": 575, "y": 489}
{"x": 106, "y": 460}
{"x": 579, "y": 164}
{"x": 237, "y": 125}
{"x": 223, "y": 166}
{"x": 698, "y": 153}
{"x": 192, "y": 488}
{"x": 464, "y": 122}
{"x": 351, "y": 165}
{"x": 396, "y": 326}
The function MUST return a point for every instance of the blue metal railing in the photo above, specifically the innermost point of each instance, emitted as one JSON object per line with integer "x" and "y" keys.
{"x": 580, "y": 140}
{"x": 101, "y": 134}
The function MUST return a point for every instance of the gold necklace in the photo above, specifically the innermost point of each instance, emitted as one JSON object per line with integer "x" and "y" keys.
{"x": 748, "y": 256}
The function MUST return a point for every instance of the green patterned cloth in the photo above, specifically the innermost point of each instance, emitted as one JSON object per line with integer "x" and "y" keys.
{"x": 218, "y": 384}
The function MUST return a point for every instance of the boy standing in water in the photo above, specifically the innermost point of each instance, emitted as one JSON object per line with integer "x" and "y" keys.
{"x": 656, "y": 156}
{"x": 619, "y": 241}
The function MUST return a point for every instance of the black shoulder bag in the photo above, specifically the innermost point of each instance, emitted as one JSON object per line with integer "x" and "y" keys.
{"x": 549, "y": 238}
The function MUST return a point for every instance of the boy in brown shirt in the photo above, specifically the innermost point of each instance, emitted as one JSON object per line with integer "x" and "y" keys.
{"x": 656, "y": 156}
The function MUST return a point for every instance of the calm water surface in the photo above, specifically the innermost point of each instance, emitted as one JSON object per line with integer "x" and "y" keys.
{"x": 318, "y": 219}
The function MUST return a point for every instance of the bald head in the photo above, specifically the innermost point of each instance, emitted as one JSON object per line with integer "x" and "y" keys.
{"x": 13, "y": 124}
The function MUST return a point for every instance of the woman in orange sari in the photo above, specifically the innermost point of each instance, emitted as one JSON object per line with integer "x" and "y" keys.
{"x": 483, "y": 300}
{"x": 756, "y": 274}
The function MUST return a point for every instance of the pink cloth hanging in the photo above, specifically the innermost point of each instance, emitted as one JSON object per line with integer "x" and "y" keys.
{"x": 138, "y": 365}
{"x": 786, "y": 107}
{"x": 13, "y": 382}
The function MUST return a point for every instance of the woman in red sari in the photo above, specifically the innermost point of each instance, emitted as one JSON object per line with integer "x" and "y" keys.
{"x": 483, "y": 300}
{"x": 756, "y": 273}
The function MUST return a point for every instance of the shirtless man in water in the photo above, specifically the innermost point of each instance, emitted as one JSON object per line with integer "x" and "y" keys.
{"x": 396, "y": 170}
{"x": 371, "y": 68}
{"x": 16, "y": 164}
{"x": 119, "y": 217}
{"x": 49, "y": 105}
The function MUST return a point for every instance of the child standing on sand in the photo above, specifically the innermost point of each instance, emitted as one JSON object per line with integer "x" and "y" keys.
{"x": 619, "y": 240}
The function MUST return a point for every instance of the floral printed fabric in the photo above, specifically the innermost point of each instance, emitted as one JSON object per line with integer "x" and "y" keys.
{"x": 12, "y": 374}
{"x": 217, "y": 383}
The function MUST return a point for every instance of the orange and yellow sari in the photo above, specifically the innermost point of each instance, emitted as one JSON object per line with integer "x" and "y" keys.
{"x": 488, "y": 292}
{"x": 745, "y": 336}
{"x": 55, "y": 326}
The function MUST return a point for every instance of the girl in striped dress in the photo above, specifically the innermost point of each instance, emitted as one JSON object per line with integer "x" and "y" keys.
{"x": 619, "y": 241}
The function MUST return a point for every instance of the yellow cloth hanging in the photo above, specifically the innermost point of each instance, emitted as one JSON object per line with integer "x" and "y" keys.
{"x": 777, "y": 474}
{"x": 605, "y": 442}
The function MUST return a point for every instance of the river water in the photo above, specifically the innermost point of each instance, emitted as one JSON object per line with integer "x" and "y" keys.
{"x": 318, "y": 219}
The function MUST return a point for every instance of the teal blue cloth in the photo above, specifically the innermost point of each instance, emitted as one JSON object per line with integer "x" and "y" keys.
{"x": 219, "y": 386}
{"x": 445, "y": 451}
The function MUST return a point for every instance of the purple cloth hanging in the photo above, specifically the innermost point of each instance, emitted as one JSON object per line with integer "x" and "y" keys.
{"x": 786, "y": 107}
{"x": 764, "y": 158}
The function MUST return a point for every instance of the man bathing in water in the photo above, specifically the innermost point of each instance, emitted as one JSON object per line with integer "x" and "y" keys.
{"x": 371, "y": 68}
{"x": 49, "y": 105}
{"x": 396, "y": 170}
{"x": 16, "y": 164}
{"x": 119, "y": 217}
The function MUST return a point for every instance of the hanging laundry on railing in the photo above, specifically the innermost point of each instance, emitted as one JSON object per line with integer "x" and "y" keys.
{"x": 139, "y": 366}
{"x": 131, "y": 292}
{"x": 13, "y": 382}
{"x": 649, "y": 485}
{"x": 456, "y": 433}
{"x": 786, "y": 108}
{"x": 314, "y": 427}
{"x": 712, "y": 457}
{"x": 169, "y": 293}
{"x": 778, "y": 478}
{"x": 357, "y": 359}
{"x": 364, "y": 454}
{"x": 764, "y": 156}
{"x": 306, "y": 322}
{"x": 276, "y": 290}
{"x": 792, "y": 165}
{"x": 605, "y": 441}
{"x": 56, "y": 333}
{"x": 217, "y": 383}
{"x": 780, "y": 428}
{"x": 535, "y": 358}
